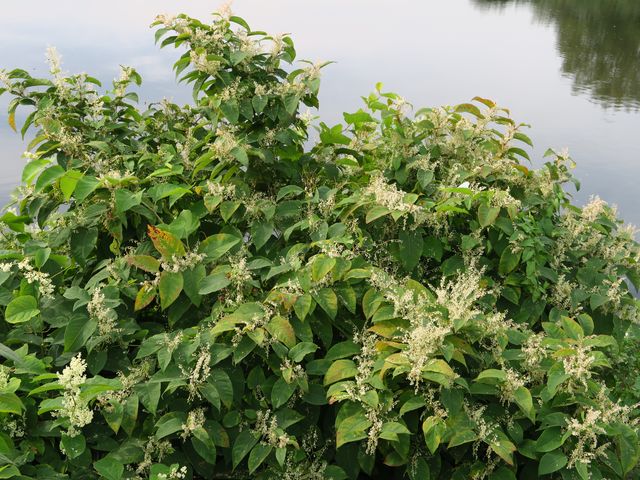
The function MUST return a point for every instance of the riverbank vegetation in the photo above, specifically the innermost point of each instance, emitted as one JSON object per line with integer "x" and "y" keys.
{"x": 203, "y": 291}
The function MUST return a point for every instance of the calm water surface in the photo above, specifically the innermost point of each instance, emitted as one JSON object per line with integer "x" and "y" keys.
{"x": 570, "y": 68}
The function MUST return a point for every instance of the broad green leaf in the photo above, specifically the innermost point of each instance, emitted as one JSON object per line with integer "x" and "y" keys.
{"x": 322, "y": 265}
{"x": 242, "y": 445}
{"x": 145, "y": 296}
{"x": 340, "y": 370}
{"x": 217, "y": 245}
{"x": 68, "y": 183}
{"x": 145, "y": 262}
{"x": 550, "y": 439}
{"x": 109, "y": 468}
{"x": 10, "y": 403}
{"x": 410, "y": 249}
{"x": 508, "y": 261}
{"x": 214, "y": 283}
{"x": 126, "y": 199}
{"x": 48, "y": 176}
{"x": 487, "y": 214}
{"x": 327, "y": 300}
{"x": 552, "y": 462}
{"x": 258, "y": 454}
{"x": 352, "y": 429}
{"x": 281, "y": 393}
{"x": 169, "y": 287}
{"x": 21, "y": 309}
{"x": 83, "y": 242}
{"x": 73, "y": 446}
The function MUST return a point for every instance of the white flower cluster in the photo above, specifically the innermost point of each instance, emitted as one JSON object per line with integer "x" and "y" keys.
{"x": 73, "y": 408}
{"x": 388, "y": 195}
{"x": 596, "y": 207}
{"x": 200, "y": 372}
{"x": 4, "y": 78}
{"x": 176, "y": 473}
{"x": 154, "y": 449}
{"x": 239, "y": 273}
{"x": 31, "y": 275}
{"x": 257, "y": 321}
{"x": 105, "y": 316}
{"x": 365, "y": 361}
{"x": 534, "y": 352}
{"x": 223, "y": 144}
{"x": 123, "y": 81}
{"x": 266, "y": 427}
{"x": 195, "y": 420}
{"x": 201, "y": 63}
{"x": 578, "y": 366}
{"x": 184, "y": 262}
{"x": 513, "y": 381}
{"x": 226, "y": 191}
{"x": 54, "y": 59}
{"x": 460, "y": 296}
{"x": 292, "y": 371}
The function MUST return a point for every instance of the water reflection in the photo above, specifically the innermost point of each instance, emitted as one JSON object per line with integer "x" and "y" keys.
{"x": 599, "y": 42}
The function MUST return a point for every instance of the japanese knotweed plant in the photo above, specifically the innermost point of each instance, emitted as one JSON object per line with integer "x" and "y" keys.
{"x": 201, "y": 292}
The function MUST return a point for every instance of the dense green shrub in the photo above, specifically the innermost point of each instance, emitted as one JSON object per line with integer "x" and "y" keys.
{"x": 195, "y": 292}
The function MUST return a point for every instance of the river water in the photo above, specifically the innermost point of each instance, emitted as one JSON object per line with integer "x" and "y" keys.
{"x": 569, "y": 68}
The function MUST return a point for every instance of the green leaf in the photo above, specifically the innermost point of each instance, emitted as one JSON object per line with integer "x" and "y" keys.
{"x": 204, "y": 445}
{"x": 243, "y": 444}
{"x": 85, "y": 187}
{"x": 302, "y": 307}
{"x": 78, "y": 331}
{"x": 552, "y": 462}
{"x": 352, "y": 429}
{"x": 48, "y": 176}
{"x": 231, "y": 110}
{"x": 10, "y": 403}
{"x": 145, "y": 296}
{"x": 145, "y": 262}
{"x": 523, "y": 399}
{"x": 327, "y": 300}
{"x": 301, "y": 350}
{"x": 73, "y": 446}
{"x": 376, "y": 212}
{"x": 170, "y": 423}
{"x": 281, "y": 393}
{"x": 83, "y": 242}
{"x": 322, "y": 265}
{"x": 340, "y": 370}
{"x": 170, "y": 287}
{"x": 460, "y": 437}
{"x": 125, "y": 200}
{"x": 217, "y": 245}
{"x": 9, "y": 471}
{"x": 109, "y": 468}
{"x": 550, "y": 439}
{"x": 508, "y": 261}
{"x": 261, "y": 232}
{"x": 433, "y": 429}
{"x": 21, "y": 309}
{"x": 214, "y": 283}
{"x": 282, "y": 330}
{"x": 487, "y": 214}
{"x": 410, "y": 250}
{"x": 68, "y": 183}
{"x": 258, "y": 455}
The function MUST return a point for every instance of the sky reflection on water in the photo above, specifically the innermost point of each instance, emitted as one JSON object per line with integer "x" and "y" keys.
{"x": 568, "y": 68}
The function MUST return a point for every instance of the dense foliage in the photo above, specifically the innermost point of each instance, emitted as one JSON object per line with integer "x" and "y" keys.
{"x": 197, "y": 292}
